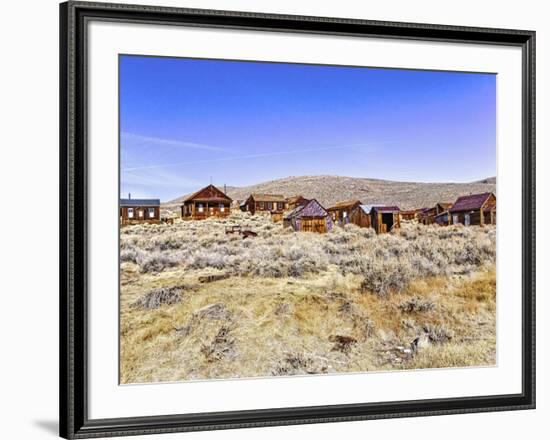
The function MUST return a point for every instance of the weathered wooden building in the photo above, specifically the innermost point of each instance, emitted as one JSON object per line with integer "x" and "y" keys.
{"x": 133, "y": 211}
{"x": 427, "y": 216}
{"x": 264, "y": 203}
{"x": 410, "y": 214}
{"x": 311, "y": 217}
{"x": 474, "y": 209}
{"x": 443, "y": 219}
{"x": 385, "y": 218}
{"x": 207, "y": 202}
{"x": 362, "y": 216}
{"x": 341, "y": 211}
{"x": 295, "y": 201}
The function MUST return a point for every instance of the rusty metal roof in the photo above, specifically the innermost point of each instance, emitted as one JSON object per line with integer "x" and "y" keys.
{"x": 268, "y": 197}
{"x": 472, "y": 201}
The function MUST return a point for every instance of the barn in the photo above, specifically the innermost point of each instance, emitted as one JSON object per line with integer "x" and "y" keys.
{"x": 295, "y": 201}
{"x": 474, "y": 209}
{"x": 133, "y": 211}
{"x": 311, "y": 217}
{"x": 341, "y": 211}
{"x": 385, "y": 218}
{"x": 207, "y": 202}
{"x": 264, "y": 203}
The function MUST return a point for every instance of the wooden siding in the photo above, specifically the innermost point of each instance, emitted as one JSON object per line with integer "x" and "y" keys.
{"x": 360, "y": 218}
{"x": 200, "y": 211}
{"x": 130, "y": 215}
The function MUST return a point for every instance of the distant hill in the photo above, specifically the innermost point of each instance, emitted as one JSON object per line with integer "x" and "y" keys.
{"x": 330, "y": 189}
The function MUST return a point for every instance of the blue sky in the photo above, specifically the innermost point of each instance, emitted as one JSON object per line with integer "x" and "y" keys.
{"x": 184, "y": 121}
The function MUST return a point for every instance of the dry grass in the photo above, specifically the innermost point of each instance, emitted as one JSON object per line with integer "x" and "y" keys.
{"x": 302, "y": 303}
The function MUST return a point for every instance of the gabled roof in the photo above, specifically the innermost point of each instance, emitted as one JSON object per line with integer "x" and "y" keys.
{"x": 268, "y": 197}
{"x": 445, "y": 205}
{"x": 139, "y": 202}
{"x": 294, "y": 199}
{"x": 345, "y": 204}
{"x": 311, "y": 209}
{"x": 386, "y": 209}
{"x": 367, "y": 209}
{"x": 472, "y": 201}
{"x": 209, "y": 193}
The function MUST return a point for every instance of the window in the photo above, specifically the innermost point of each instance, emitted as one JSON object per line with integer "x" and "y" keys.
{"x": 455, "y": 219}
{"x": 130, "y": 212}
{"x": 467, "y": 219}
{"x": 151, "y": 212}
{"x": 222, "y": 207}
{"x": 270, "y": 206}
{"x": 140, "y": 213}
{"x": 201, "y": 208}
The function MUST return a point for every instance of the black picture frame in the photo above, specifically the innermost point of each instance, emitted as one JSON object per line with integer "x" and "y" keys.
{"x": 74, "y": 420}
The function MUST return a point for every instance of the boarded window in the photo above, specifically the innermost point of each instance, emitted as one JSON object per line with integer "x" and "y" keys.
{"x": 130, "y": 212}
{"x": 455, "y": 219}
{"x": 151, "y": 212}
{"x": 467, "y": 219}
{"x": 201, "y": 207}
{"x": 222, "y": 207}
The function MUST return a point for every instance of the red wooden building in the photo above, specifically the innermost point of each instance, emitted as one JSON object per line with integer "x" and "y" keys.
{"x": 207, "y": 202}
{"x": 134, "y": 211}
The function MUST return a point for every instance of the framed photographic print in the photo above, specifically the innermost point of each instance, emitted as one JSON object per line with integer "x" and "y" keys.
{"x": 272, "y": 219}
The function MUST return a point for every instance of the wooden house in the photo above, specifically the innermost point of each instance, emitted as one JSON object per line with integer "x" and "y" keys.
{"x": 385, "y": 218}
{"x": 311, "y": 217}
{"x": 134, "y": 211}
{"x": 295, "y": 201}
{"x": 427, "y": 216}
{"x": 264, "y": 203}
{"x": 474, "y": 209}
{"x": 341, "y": 211}
{"x": 207, "y": 202}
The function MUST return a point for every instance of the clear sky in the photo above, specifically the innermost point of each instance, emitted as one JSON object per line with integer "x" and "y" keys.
{"x": 185, "y": 121}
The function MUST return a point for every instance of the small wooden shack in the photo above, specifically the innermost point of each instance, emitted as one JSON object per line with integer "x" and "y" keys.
{"x": 443, "y": 219}
{"x": 207, "y": 202}
{"x": 295, "y": 201}
{"x": 427, "y": 216}
{"x": 362, "y": 216}
{"x": 410, "y": 214}
{"x": 134, "y": 211}
{"x": 264, "y": 203}
{"x": 474, "y": 209}
{"x": 385, "y": 218}
{"x": 341, "y": 211}
{"x": 311, "y": 217}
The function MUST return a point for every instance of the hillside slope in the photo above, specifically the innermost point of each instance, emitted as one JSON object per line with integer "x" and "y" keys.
{"x": 330, "y": 189}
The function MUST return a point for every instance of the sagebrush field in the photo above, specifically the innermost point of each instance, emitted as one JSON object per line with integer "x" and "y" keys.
{"x": 197, "y": 303}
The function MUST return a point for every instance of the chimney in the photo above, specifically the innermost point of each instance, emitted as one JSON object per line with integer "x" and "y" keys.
{"x": 224, "y": 189}
{"x": 129, "y": 196}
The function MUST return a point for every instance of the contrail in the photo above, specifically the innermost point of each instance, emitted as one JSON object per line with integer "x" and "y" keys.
{"x": 169, "y": 142}
{"x": 253, "y": 156}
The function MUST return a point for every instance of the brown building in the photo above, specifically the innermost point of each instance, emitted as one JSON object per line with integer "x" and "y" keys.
{"x": 133, "y": 211}
{"x": 427, "y": 216}
{"x": 295, "y": 201}
{"x": 311, "y": 217}
{"x": 411, "y": 214}
{"x": 362, "y": 216}
{"x": 207, "y": 202}
{"x": 385, "y": 218}
{"x": 264, "y": 203}
{"x": 341, "y": 211}
{"x": 474, "y": 209}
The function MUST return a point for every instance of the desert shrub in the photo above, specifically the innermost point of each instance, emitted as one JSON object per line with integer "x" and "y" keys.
{"x": 383, "y": 277}
{"x": 156, "y": 262}
{"x": 417, "y": 304}
{"x": 438, "y": 334}
{"x": 157, "y": 297}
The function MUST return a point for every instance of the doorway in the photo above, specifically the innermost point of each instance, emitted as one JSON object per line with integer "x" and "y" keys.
{"x": 387, "y": 219}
